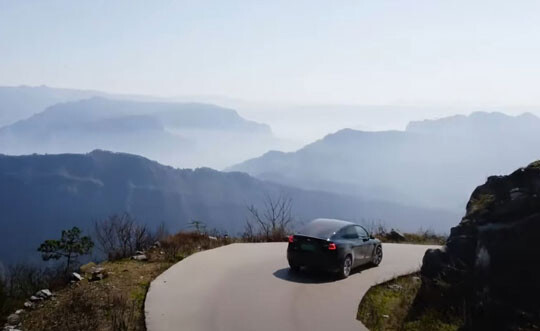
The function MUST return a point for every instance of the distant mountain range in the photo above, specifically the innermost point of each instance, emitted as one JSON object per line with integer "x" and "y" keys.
{"x": 20, "y": 102}
{"x": 419, "y": 177}
{"x": 42, "y": 194}
{"x": 434, "y": 163}
{"x": 181, "y": 134}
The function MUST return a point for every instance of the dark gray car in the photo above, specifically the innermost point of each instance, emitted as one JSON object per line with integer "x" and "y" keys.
{"x": 333, "y": 245}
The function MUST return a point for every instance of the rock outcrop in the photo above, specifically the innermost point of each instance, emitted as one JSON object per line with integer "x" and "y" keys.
{"x": 489, "y": 269}
{"x": 98, "y": 273}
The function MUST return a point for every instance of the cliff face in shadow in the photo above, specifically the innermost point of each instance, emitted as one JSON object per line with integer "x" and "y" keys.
{"x": 490, "y": 266}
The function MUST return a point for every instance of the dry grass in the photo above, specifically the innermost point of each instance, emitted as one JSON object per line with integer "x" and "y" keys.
{"x": 115, "y": 303}
{"x": 419, "y": 238}
{"x": 180, "y": 245}
{"x": 101, "y": 305}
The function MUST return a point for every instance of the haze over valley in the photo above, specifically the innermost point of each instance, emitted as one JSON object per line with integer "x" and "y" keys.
{"x": 432, "y": 163}
{"x": 269, "y": 165}
{"x": 77, "y": 166}
{"x": 368, "y": 111}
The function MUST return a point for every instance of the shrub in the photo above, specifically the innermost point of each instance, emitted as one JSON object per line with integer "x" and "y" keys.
{"x": 376, "y": 228}
{"x": 272, "y": 223}
{"x": 177, "y": 246}
{"x": 120, "y": 236}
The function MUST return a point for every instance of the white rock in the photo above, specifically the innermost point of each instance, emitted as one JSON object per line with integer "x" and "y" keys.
{"x": 76, "y": 276}
{"x": 98, "y": 273}
{"x": 33, "y": 298}
{"x": 45, "y": 294}
{"x": 19, "y": 311}
{"x": 11, "y": 328}
{"x": 395, "y": 287}
{"x": 140, "y": 257}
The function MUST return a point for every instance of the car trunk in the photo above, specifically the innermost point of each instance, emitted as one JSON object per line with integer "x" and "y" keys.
{"x": 309, "y": 244}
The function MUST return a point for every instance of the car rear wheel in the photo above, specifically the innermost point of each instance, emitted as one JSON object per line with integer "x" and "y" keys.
{"x": 346, "y": 267}
{"x": 377, "y": 256}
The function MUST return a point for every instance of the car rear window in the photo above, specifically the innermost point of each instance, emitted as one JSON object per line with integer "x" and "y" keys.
{"x": 321, "y": 229}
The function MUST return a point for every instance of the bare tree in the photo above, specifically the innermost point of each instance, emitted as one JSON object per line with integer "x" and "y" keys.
{"x": 249, "y": 232}
{"x": 161, "y": 232}
{"x": 274, "y": 220}
{"x": 376, "y": 227}
{"x": 120, "y": 236}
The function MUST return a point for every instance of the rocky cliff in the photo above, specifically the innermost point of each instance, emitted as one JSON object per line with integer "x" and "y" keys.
{"x": 489, "y": 269}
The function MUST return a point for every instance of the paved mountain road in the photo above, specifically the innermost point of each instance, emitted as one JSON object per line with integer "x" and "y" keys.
{"x": 248, "y": 287}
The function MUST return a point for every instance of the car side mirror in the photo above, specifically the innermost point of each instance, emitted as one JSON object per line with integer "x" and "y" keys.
{"x": 365, "y": 239}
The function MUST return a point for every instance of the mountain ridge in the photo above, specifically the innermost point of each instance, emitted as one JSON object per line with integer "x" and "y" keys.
{"x": 180, "y": 134}
{"x": 433, "y": 163}
{"x": 41, "y": 195}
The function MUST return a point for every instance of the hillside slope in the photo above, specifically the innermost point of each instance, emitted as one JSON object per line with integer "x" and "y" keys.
{"x": 43, "y": 194}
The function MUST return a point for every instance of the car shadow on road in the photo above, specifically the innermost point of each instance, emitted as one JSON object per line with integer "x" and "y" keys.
{"x": 310, "y": 276}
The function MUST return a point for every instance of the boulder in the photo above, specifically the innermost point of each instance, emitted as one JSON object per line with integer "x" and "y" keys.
{"x": 490, "y": 262}
{"x": 395, "y": 235}
{"x": 10, "y": 328}
{"x": 13, "y": 319}
{"x": 140, "y": 257}
{"x": 87, "y": 268}
{"x": 28, "y": 305}
{"x": 97, "y": 274}
{"x": 44, "y": 294}
{"x": 19, "y": 311}
{"x": 76, "y": 277}
{"x": 34, "y": 298}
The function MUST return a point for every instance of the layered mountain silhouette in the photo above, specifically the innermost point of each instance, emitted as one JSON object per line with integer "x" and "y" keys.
{"x": 42, "y": 194}
{"x": 432, "y": 163}
{"x": 20, "y": 102}
{"x": 179, "y": 134}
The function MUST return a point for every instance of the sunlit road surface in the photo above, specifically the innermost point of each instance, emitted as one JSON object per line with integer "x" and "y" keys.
{"x": 248, "y": 287}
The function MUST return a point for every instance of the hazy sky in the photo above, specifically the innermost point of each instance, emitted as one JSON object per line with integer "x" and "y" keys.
{"x": 346, "y": 52}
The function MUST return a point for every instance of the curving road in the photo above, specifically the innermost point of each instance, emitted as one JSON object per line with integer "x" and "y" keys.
{"x": 248, "y": 287}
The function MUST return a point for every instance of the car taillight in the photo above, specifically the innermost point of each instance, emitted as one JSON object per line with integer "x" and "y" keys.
{"x": 332, "y": 246}
{"x": 291, "y": 238}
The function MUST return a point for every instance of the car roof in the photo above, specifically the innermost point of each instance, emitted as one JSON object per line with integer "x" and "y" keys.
{"x": 323, "y": 228}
